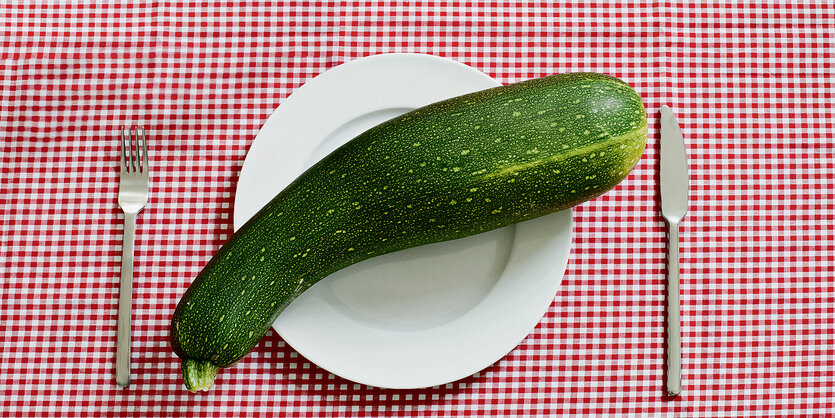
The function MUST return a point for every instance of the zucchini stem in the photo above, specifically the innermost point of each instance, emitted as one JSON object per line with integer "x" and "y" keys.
{"x": 198, "y": 374}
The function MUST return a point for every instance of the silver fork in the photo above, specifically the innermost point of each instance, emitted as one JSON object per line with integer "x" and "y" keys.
{"x": 133, "y": 195}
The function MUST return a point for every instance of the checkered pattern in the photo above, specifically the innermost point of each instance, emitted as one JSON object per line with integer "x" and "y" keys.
{"x": 751, "y": 84}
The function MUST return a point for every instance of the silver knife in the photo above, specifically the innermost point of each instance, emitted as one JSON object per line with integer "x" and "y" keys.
{"x": 673, "y": 208}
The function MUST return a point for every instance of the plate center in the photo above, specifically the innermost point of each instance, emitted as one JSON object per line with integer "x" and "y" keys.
{"x": 454, "y": 277}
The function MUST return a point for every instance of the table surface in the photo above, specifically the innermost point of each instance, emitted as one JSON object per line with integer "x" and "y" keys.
{"x": 751, "y": 85}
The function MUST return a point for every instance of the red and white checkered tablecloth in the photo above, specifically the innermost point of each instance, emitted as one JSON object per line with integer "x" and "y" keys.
{"x": 751, "y": 83}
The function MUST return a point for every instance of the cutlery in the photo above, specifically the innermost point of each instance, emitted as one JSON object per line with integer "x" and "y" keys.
{"x": 673, "y": 207}
{"x": 133, "y": 195}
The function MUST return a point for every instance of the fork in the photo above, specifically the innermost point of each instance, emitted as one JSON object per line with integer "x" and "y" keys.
{"x": 133, "y": 195}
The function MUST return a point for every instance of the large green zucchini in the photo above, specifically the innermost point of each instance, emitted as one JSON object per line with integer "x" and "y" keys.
{"x": 444, "y": 171}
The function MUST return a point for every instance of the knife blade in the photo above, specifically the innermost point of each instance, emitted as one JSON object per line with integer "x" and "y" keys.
{"x": 674, "y": 187}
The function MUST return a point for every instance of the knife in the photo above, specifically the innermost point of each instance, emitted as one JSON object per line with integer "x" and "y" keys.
{"x": 673, "y": 207}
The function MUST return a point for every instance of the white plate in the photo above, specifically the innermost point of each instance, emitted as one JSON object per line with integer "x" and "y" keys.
{"x": 420, "y": 317}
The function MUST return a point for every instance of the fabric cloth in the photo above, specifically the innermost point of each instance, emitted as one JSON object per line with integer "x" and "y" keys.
{"x": 751, "y": 85}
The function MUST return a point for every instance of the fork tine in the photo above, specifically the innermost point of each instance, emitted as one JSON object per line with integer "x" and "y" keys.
{"x": 144, "y": 152}
{"x": 123, "y": 150}
{"x": 134, "y": 152}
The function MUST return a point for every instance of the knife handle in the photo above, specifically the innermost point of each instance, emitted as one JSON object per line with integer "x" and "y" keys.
{"x": 673, "y": 314}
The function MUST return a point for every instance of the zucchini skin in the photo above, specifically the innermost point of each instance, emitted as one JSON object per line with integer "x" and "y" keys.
{"x": 448, "y": 170}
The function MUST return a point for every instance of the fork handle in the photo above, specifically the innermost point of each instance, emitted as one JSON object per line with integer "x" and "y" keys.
{"x": 673, "y": 314}
{"x": 125, "y": 302}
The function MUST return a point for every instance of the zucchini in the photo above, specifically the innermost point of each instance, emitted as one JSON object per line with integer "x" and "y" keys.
{"x": 448, "y": 170}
